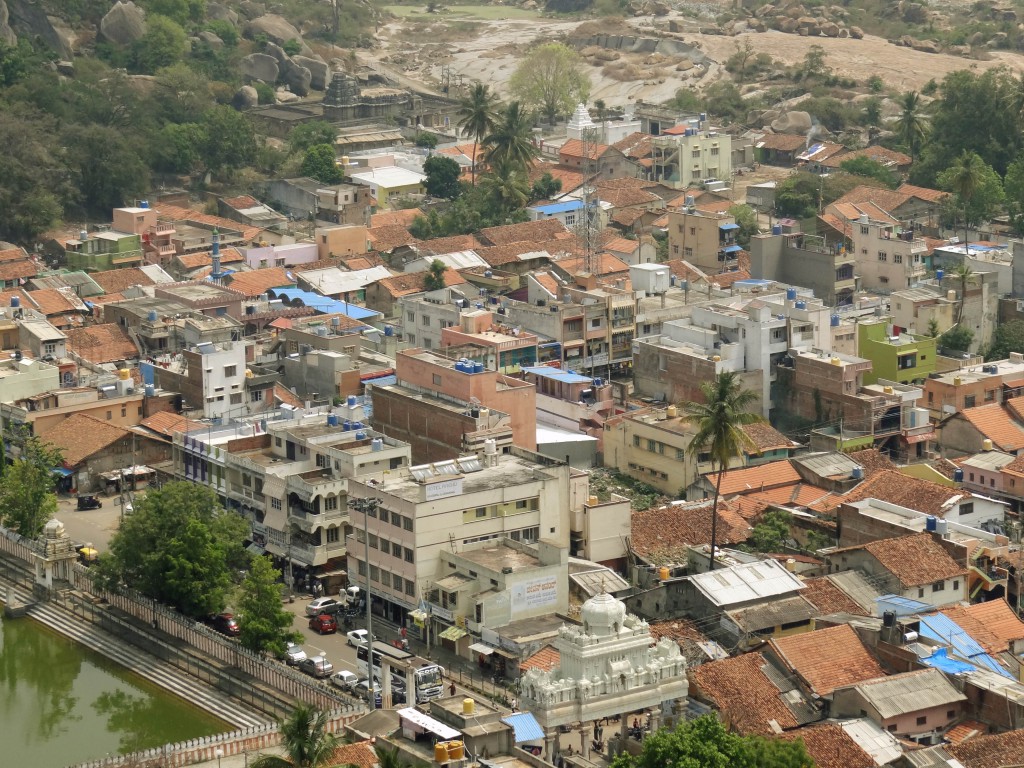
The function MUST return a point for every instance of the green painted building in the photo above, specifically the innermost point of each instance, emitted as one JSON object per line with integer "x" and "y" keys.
{"x": 903, "y": 358}
{"x": 101, "y": 251}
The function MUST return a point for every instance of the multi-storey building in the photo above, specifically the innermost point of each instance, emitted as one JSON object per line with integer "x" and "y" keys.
{"x": 806, "y": 260}
{"x": 686, "y": 155}
{"x": 706, "y": 240}
{"x": 895, "y": 355}
{"x": 889, "y": 258}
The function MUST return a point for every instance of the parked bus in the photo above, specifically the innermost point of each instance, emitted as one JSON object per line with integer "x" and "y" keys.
{"x": 427, "y": 676}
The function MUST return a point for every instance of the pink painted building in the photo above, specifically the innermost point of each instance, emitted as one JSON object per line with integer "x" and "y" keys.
{"x": 914, "y": 705}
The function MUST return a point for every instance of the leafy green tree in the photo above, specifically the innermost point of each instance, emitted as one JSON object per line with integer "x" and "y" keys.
{"x": 36, "y": 182}
{"x": 933, "y": 328}
{"x": 911, "y": 125}
{"x": 184, "y": 93}
{"x": 178, "y": 147}
{"x": 225, "y": 30}
{"x": 477, "y": 117}
{"x": 305, "y": 739}
{"x": 14, "y": 62}
{"x": 865, "y": 166}
{"x": 265, "y": 94}
{"x": 180, "y": 11}
{"x": 106, "y": 165}
{"x": 389, "y": 757}
{"x": 1013, "y": 190}
{"x": 551, "y": 79}
{"x": 508, "y": 187}
{"x": 434, "y": 280}
{"x": 772, "y": 533}
{"x": 724, "y": 99}
{"x": 546, "y": 187}
{"x": 230, "y": 139}
{"x": 977, "y": 190}
{"x": 264, "y": 623}
{"x": 964, "y": 276}
{"x": 876, "y": 84}
{"x": 510, "y": 143}
{"x": 1009, "y": 337}
{"x": 320, "y": 163}
{"x": 746, "y": 219}
{"x": 958, "y": 338}
{"x": 719, "y": 420}
{"x": 292, "y": 47}
{"x": 27, "y": 498}
{"x": 425, "y": 139}
{"x": 163, "y": 44}
{"x": 814, "y": 65}
{"x": 442, "y": 177}
{"x": 705, "y": 743}
{"x": 307, "y": 135}
{"x": 179, "y": 547}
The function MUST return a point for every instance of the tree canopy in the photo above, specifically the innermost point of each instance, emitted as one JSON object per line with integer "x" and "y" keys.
{"x": 306, "y": 741}
{"x": 27, "y": 498}
{"x": 442, "y": 177}
{"x": 179, "y": 547}
{"x": 1009, "y": 337}
{"x": 320, "y": 163}
{"x": 263, "y": 622}
{"x": 552, "y": 80}
{"x": 705, "y": 743}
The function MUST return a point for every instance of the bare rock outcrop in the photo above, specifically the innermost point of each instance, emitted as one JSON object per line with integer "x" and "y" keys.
{"x": 123, "y": 24}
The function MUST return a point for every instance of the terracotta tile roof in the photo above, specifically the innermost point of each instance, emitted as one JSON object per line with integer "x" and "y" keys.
{"x": 662, "y": 535}
{"x": 622, "y": 245}
{"x": 168, "y": 212}
{"x": 385, "y": 239}
{"x": 527, "y": 232}
{"x": 746, "y": 697}
{"x": 80, "y": 436}
{"x": 783, "y": 142}
{"x": 360, "y": 754}
{"x": 764, "y": 437}
{"x": 992, "y": 623}
{"x": 116, "y": 280}
{"x": 879, "y": 154}
{"x": 52, "y": 301}
{"x": 546, "y": 659}
{"x": 627, "y": 217}
{"x": 242, "y": 201}
{"x": 758, "y": 478}
{"x": 923, "y": 193}
{"x": 285, "y": 396}
{"x": 167, "y": 424}
{"x": 394, "y": 218}
{"x": 830, "y": 746}
{"x": 628, "y": 198}
{"x": 258, "y": 281}
{"x": 19, "y": 269}
{"x": 684, "y": 270}
{"x": 1015, "y": 405}
{"x": 412, "y": 282}
{"x": 106, "y": 343}
{"x": 678, "y": 630}
{"x": 574, "y": 148}
{"x": 795, "y": 495}
{"x": 992, "y": 751}
{"x": 886, "y": 199}
{"x": 548, "y": 281}
{"x": 571, "y": 178}
{"x": 965, "y": 730}
{"x": 363, "y": 261}
{"x": 606, "y": 265}
{"x": 635, "y": 145}
{"x": 824, "y": 595}
{"x": 439, "y": 246}
{"x": 915, "y": 560}
{"x": 21, "y": 293}
{"x": 871, "y": 460}
{"x": 13, "y": 254}
{"x": 106, "y": 298}
{"x": 202, "y": 259}
{"x": 828, "y": 658}
{"x": 896, "y": 488}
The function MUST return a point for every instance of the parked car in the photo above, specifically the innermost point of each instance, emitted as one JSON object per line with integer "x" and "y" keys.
{"x": 89, "y": 502}
{"x": 345, "y": 680}
{"x": 357, "y": 637}
{"x": 293, "y": 654}
{"x": 317, "y": 666}
{"x": 362, "y": 690}
{"x": 323, "y": 605}
{"x": 226, "y": 624}
{"x": 324, "y": 624}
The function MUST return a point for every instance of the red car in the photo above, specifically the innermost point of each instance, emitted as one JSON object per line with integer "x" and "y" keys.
{"x": 324, "y": 624}
{"x": 226, "y": 624}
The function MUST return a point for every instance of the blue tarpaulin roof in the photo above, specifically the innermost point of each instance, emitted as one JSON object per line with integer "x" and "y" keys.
{"x": 557, "y": 374}
{"x": 938, "y": 627}
{"x": 525, "y": 726}
{"x": 62, "y": 472}
{"x": 383, "y": 381}
{"x": 732, "y": 248}
{"x": 553, "y": 208}
{"x": 324, "y": 304}
{"x": 941, "y": 661}
{"x": 727, "y": 226}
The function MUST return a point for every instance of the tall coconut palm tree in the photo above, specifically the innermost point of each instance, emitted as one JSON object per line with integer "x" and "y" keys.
{"x": 476, "y": 117}
{"x": 968, "y": 171}
{"x": 964, "y": 274}
{"x": 305, "y": 739}
{"x": 911, "y": 125}
{"x": 507, "y": 185}
{"x": 719, "y": 420}
{"x": 511, "y": 141}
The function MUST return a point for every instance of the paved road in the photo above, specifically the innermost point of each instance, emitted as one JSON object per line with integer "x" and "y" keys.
{"x": 94, "y": 525}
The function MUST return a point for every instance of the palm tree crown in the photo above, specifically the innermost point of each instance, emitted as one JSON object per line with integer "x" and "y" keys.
{"x": 511, "y": 141}
{"x": 476, "y": 116}
{"x": 911, "y": 125}
{"x": 719, "y": 420}
{"x": 305, "y": 739}
{"x": 968, "y": 172}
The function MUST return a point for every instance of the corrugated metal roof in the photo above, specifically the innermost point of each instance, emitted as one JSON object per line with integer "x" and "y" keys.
{"x": 525, "y": 726}
{"x": 938, "y": 627}
{"x": 748, "y": 581}
{"x": 881, "y": 745}
{"x": 909, "y": 692}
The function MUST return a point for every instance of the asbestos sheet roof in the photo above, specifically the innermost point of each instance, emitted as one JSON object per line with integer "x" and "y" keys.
{"x": 525, "y": 726}
{"x": 746, "y": 582}
{"x": 909, "y": 692}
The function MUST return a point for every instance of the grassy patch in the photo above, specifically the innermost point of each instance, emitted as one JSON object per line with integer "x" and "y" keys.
{"x": 485, "y": 12}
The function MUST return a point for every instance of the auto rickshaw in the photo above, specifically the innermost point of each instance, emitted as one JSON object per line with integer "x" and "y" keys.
{"x": 88, "y": 502}
{"x": 87, "y": 554}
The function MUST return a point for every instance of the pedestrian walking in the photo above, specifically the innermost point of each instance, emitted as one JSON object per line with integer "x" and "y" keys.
{"x": 451, "y": 688}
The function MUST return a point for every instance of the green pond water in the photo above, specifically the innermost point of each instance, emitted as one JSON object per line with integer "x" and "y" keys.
{"x": 62, "y": 704}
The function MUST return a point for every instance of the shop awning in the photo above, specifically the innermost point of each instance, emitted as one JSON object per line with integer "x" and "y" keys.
{"x": 453, "y": 634}
{"x": 418, "y": 615}
{"x": 732, "y": 249}
{"x": 482, "y": 648}
{"x": 62, "y": 472}
{"x": 255, "y": 548}
{"x": 728, "y": 227}
{"x": 525, "y": 727}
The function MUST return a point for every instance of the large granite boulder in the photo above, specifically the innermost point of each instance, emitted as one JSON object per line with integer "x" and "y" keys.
{"x": 219, "y": 12}
{"x": 295, "y": 77}
{"x": 275, "y": 28}
{"x": 251, "y": 10}
{"x": 210, "y": 39}
{"x": 319, "y": 73}
{"x": 246, "y": 97}
{"x": 259, "y": 66}
{"x": 794, "y": 121}
{"x": 28, "y": 19}
{"x": 7, "y": 36}
{"x": 124, "y": 23}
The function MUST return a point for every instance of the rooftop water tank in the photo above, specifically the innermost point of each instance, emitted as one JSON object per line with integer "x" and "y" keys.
{"x": 801, "y": 305}
{"x": 150, "y": 390}
{"x": 377, "y": 444}
{"x": 360, "y": 435}
{"x": 346, "y": 426}
{"x": 335, "y": 321}
{"x": 835, "y": 321}
{"x": 389, "y": 330}
{"x": 958, "y": 475}
{"x": 124, "y": 374}
{"x": 929, "y": 523}
{"x": 15, "y": 302}
{"x": 152, "y": 315}
{"x": 478, "y": 367}
{"x": 144, "y": 204}
{"x": 939, "y": 274}
{"x": 350, "y": 401}
{"x": 332, "y": 420}
{"x": 790, "y": 294}
{"x": 857, "y": 473}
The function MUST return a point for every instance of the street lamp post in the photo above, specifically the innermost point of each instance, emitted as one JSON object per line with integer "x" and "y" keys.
{"x": 364, "y": 506}
{"x": 219, "y": 752}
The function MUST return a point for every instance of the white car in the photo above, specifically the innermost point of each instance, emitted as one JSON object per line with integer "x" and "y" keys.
{"x": 357, "y": 637}
{"x": 345, "y": 680}
{"x": 293, "y": 654}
